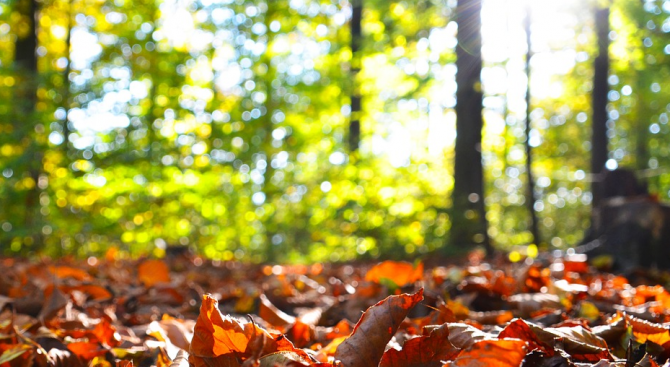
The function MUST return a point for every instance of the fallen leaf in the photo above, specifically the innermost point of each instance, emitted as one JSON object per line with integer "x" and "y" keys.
{"x": 580, "y": 343}
{"x": 428, "y": 351}
{"x": 86, "y": 350}
{"x": 106, "y": 333}
{"x": 180, "y": 332}
{"x": 400, "y": 273}
{"x": 365, "y": 346}
{"x": 301, "y": 334}
{"x": 152, "y": 272}
{"x": 180, "y": 360}
{"x": 493, "y": 353}
{"x": 94, "y": 292}
{"x": 270, "y": 313}
{"x": 63, "y": 272}
{"x": 225, "y": 341}
{"x": 282, "y": 359}
{"x": 55, "y": 302}
{"x": 464, "y": 336}
{"x": 16, "y": 351}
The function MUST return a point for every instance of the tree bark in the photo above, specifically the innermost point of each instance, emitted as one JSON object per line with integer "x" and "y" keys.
{"x": 25, "y": 60}
{"x": 469, "y": 223}
{"x": 599, "y": 100}
{"x": 25, "y": 57}
{"x": 356, "y": 37}
{"x": 530, "y": 195}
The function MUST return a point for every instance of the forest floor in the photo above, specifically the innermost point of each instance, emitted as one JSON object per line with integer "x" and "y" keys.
{"x": 187, "y": 310}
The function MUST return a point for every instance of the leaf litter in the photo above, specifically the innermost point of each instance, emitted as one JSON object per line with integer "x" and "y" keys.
{"x": 187, "y": 311}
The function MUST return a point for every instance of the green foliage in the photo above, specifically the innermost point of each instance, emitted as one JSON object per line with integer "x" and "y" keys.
{"x": 222, "y": 125}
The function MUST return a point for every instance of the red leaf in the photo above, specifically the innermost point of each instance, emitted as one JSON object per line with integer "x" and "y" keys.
{"x": 365, "y": 346}
{"x": 86, "y": 350}
{"x": 429, "y": 351}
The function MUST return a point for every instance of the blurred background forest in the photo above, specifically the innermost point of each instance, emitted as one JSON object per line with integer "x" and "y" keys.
{"x": 317, "y": 130}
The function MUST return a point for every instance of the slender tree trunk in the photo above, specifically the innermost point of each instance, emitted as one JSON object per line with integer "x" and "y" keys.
{"x": 66, "y": 82}
{"x": 530, "y": 194}
{"x": 469, "y": 223}
{"x": 600, "y": 90}
{"x": 356, "y": 38}
{"x": 26, "y": 63}
{"x": 269, "y": 188}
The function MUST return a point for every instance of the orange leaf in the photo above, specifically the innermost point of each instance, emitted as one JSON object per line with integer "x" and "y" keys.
{"x": 343, "y": 328}
{"x": 365, "y": 346}
{"x": 494, "y": 353}
{"x": 426, "y": 351}
{"x": 95, "y": 292}
{"x": 301, "y": 334}
{"x": 216, "y": 334}
{"x": 644, "y": 330}
{"x": 152, "y": 272}
{"x": 400, "y": 273}
{"x": 86, "y": 350}
{"x": 14, "y": 355}
{"x": 223, "y": 340}
{"x": 106, "y": 333}
{"x": 68, "y": 272}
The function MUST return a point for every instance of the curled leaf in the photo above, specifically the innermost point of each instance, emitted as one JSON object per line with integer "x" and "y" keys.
{"x": 581, "y": 344}
{"x": 225, "y": 341}
{"x": 270, "y": 313}
{"x": 365, "y": 346}
{"x": 428, "y": 351}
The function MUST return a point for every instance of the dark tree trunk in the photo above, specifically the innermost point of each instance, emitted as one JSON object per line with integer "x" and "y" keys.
{"x": 530, "y": 195}
{"x": 469, "y": 223}
{"x": 66, "y": 82}
{"x": 25, "y": 60}
{"x": 600, "y": 90}
{"x": 25, "y": 57}
{"x": 356, "y": 37}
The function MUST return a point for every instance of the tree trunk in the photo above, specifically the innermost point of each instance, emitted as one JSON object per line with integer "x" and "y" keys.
{"x": 355, "y": 122}
{"x": 66, "y": 82}
{"x": 530, "y": 195}
{"x": 600, "y": 90}
{"x": 468, "y": 213}
{"x": 25, "y": 57}
{"x": 26, "y": 97}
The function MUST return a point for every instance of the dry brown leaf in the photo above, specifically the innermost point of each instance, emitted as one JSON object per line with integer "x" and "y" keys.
{"x": 423, "y": 351}
{"x": 464, "y": 335}
{"x": 365, "y": 346}
{"x": 270, "y": 313}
